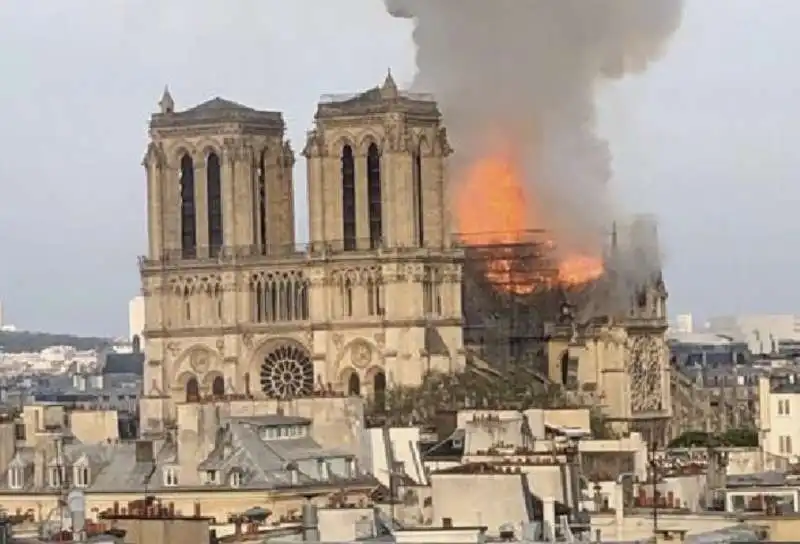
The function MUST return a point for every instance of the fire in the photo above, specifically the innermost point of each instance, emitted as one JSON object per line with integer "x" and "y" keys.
{"x": 493, "y": 208}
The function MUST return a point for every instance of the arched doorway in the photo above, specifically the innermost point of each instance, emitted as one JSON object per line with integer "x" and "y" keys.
{"x": 192, "y": 390}
{"x": 218, "y": 387}
{"x": 379, "y": 390}
{"x": 354, "y": 385}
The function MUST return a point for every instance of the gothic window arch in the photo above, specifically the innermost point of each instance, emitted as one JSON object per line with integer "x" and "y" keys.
{"x": 279, "y": 297}
{"x": 374, "y": 196}
{"x": 186, "y": 295}
{"x": 261, "y": 202}
{"x": 214, "y": 204}
{"x": 347, "y": 287}
{"x": 192, "y": 390}
{"x": 348, "y": 198}
{"x": 379, "y": 390}
{"x": 188, "y": 209}
{"x": 218, "y": 387}
{"x": 432, "y": 291}
{"x": 354, "y": 385}
{"x": 419, "y": 210}
{"x": 287, "y": 372}
{"x": 373, "y": 284}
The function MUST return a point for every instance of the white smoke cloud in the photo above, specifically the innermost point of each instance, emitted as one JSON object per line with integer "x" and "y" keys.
{"x": 529, "y": 69}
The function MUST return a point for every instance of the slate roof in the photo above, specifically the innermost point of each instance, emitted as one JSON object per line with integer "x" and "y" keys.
{"x": 239, "y": 446}
{"x": 218, "y": 111}
{"x": 381, "y": 99}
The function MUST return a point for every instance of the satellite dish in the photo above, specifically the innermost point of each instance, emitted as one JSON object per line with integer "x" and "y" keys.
{"x": 76, "y": 504}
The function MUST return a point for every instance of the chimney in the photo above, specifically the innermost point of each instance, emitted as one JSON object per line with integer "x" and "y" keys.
{"x": 294, "y": 473}
{"x": 39, "y": 462}
{"x": 237, "y": 527}
{"x": 198, "y": 512}
{"x": 310, "y": 522}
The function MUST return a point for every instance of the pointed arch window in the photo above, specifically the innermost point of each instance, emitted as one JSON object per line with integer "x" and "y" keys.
{"x": 348, "y": 199}
{"x": 214, "y": 194}
{"x": 354, "y": 385}
{"x": 374, "y": 197}
{"x": 379, "y": 391}
{"x": 261, "y": 203}
{"x": 347, "y": 297}
{"x": 188, "y": 211}
{"x": 419, "y": 210}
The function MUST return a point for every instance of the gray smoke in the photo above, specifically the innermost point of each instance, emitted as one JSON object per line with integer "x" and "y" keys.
{"x": 528, "y": 70}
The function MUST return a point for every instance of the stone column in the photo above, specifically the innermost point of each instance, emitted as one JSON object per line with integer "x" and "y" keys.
{"x": 433, "y": 206}
{"x": 331, "y": 189}
{"x": 230, "y": 238}
{"x": 362, "y": 196}
{"x": 549, "y": 518}
{"x": 315, "y": 175}
{"x": 154, "y": 230}
{"x": 201, "y": 205}
{"x": 170, "y": 195}
{"x": 401, "y": 205}
{"x": 241, "y": 158}
{"x": 619, "y": 510}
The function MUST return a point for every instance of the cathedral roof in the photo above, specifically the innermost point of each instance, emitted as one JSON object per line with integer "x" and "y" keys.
{"x": 217, "y": 110}
{"x": 218, "y": 105}
{"x": 384, "y": 98}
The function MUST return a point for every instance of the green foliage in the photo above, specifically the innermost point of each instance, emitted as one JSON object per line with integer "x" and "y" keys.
{"x": 453, "y": 391}
{"x": 23, "y": 341}
{"x": 733, "y": 438}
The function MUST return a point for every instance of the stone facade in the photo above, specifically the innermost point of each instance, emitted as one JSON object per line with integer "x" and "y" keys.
{"x": 235, "y": 308}
{"x": 619, "y": 361}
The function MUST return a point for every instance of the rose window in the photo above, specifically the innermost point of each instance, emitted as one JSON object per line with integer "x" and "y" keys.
{"x": 287, "y": 372}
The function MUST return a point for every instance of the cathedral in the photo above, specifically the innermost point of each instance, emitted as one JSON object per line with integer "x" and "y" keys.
{"x": 379, "y": 296}
{"x": 236, "y": 308}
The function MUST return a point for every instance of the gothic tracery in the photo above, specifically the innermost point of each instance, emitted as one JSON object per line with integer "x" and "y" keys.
{"x": 199, "y": 300}
{"x": 644, "y": 370}
{"x": 287, "y": 372}
{"x": 359, "y": 292}
{"x": 279, "y": 296}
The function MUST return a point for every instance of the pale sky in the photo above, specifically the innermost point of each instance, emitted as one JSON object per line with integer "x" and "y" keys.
{"x": 703, "y": 139}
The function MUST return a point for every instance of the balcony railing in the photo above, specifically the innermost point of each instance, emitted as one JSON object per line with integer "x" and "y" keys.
{"x": 319, "y": 249}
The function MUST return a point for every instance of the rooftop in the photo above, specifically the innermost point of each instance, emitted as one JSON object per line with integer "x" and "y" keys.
{"x": 216, "y": 111}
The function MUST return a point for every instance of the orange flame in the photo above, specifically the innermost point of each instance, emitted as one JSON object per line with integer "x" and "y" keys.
{"x": 492, "y": 207}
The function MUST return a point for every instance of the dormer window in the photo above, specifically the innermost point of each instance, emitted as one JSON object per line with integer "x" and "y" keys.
{"x": 55, "y": 477}
{"x": 81, "y": 476}
{"x": 352, "y": 467}
{"x": 324, "y": 469}
{"x": 211, "y": 477}
{"x": 16, "y": 478}
{"x": 170, "y": 476}
{"x": 235, "y": 478}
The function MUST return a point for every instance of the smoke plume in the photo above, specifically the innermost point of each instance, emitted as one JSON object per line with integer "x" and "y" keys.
{"x": 523, "y": 73}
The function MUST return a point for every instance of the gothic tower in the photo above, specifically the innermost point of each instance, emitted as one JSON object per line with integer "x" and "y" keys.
{"x": 388, "y": 278}
{"x": 220, "y": 211}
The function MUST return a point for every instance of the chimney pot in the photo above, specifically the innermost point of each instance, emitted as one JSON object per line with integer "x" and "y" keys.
{"x": 238, "y": 527}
